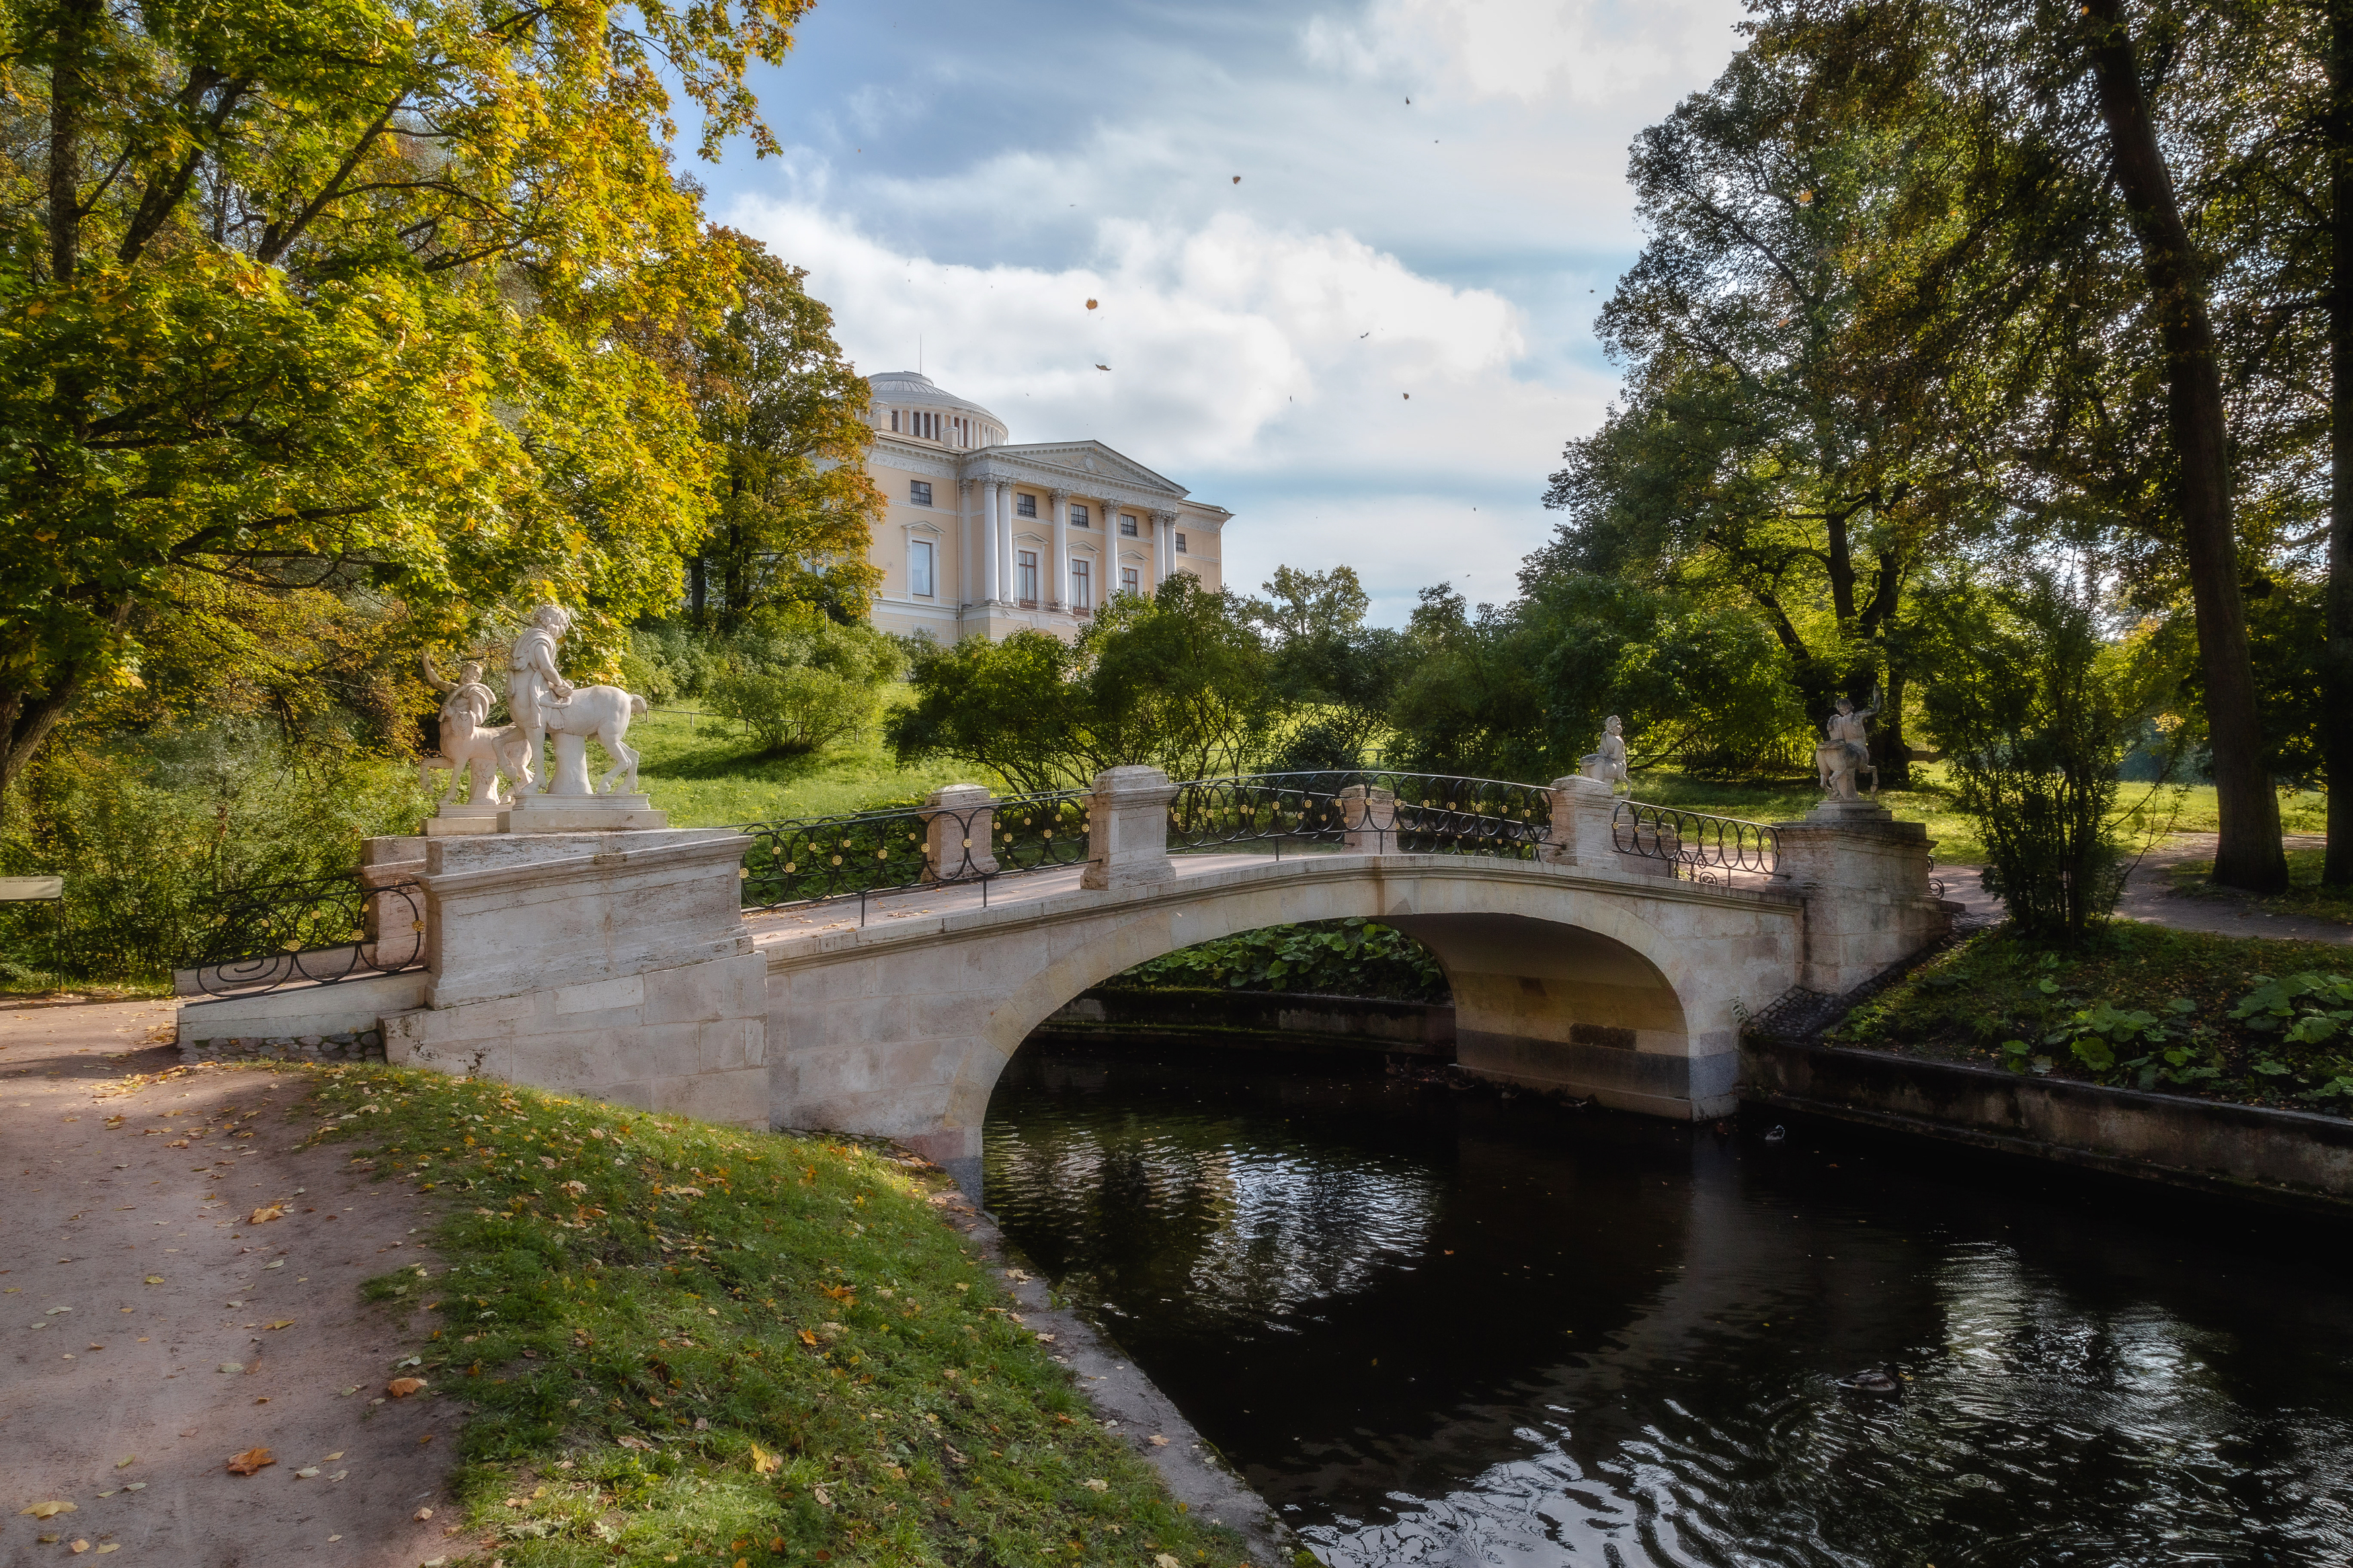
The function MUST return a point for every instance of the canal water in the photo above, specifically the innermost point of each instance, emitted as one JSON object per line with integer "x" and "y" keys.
{"x": 1438, "y": 1325}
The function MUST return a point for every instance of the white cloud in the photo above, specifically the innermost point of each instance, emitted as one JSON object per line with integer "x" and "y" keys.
{"x": 1267, "y": 371}
{"x": 1588, "y": 51}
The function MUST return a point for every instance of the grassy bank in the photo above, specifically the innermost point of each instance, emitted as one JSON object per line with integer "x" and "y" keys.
{"x": 693, "y": 1344}
{"x": 2138, "y": 1005}
{"x": 711, "y": 781}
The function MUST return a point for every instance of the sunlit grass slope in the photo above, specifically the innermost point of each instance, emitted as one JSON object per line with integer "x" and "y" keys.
{"x": 691, "y": 1343}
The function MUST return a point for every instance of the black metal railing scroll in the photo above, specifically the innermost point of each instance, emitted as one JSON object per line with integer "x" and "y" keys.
{"x": 1414, "y": 813}
{"x": 811, "y": 861}
{"x": 316, "y": 931}
{"x": 1700, "y": 848}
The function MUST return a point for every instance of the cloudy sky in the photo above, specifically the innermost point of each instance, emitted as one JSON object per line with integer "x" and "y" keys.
{"x": 1370, "y": 346}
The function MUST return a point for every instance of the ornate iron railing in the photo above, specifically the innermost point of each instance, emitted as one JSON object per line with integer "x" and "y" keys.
{"x": 1421, "y": 813}
{"x": 1700, "y": 848}
{"x": 319, "y": 932}
{"x": 810, "y": 860}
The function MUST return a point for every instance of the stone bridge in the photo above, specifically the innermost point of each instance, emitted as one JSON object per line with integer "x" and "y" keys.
{"x": 1583, "y": 958}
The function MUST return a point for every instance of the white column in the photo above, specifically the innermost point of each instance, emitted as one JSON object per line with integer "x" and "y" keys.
{"x": 965, "y": 529}
{"x": 1004, "y": 539}
{"x": 1056, "y": 595}
{"x": 1107, "y": 561}
{"x": 1164, "y": 547}
{"x": 992, "y": 492}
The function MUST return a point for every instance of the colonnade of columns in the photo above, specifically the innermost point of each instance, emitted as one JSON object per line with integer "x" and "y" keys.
{"x": 998, "y": 575}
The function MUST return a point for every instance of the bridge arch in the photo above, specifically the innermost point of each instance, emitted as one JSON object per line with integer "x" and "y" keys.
{"x": 1621, "y": 988}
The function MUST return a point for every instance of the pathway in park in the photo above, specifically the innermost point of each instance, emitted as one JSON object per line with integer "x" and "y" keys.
{"x": 155, "y": 1332}
{"x": 2150, "y": 895}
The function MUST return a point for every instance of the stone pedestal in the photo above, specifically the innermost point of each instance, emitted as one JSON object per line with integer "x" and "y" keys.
{"x": 1864, "y": 878}
{"x": 613, "y": 964}
{"x": 460, "y": 818}
{"x": 581, "y": 813}
{"x": 959, "y": 833}
{"x": 1127, "y": 829}
{"x": 1370, "y": 817}
{"x": 1583, "y": 810}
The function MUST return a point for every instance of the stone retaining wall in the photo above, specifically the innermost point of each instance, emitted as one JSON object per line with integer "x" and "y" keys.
{"x": 357, "y": 1045}
{"x": 2282, "y": 1156}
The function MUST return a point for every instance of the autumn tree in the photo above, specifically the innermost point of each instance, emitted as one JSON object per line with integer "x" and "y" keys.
{"x": 786, "y": 414}
{"x": 326, "y": 297}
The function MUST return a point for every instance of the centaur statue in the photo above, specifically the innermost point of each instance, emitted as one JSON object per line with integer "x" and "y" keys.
{"x": 544, "y": 703}
{"x": 1846, "y": 754}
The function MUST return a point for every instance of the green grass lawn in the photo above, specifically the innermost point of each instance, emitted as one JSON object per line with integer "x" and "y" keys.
{"x": 706, "y": 781}
{"x": 681, "y": 1342}
{"x": 2138, "y": 1005}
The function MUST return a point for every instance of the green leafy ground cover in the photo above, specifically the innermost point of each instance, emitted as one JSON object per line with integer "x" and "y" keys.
{"x": 2304, "y": 895}
{"x": 690, "y": 1343}
{"x": 1330, "y": 958}
{"x": 2141, "y": 1007}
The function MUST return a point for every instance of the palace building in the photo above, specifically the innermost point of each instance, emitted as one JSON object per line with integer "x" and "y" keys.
{"x": 985, "y": 536}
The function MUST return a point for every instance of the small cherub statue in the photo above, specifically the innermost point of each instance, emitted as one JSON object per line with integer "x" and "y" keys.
{"x": 468, "y": 739}
{"x": 1608, "y": 762}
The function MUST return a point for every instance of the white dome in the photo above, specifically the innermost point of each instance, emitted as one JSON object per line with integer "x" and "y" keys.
{"x": 906, "y": 390}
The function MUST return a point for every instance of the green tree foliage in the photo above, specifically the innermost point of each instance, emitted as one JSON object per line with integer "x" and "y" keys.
{"x": 788, "y": 415}
{"x": 1334, "y": 674}
{"x": 2035, "y": 710}
{"x": 1772, "y": 448}
{"x": 336, "y": 296}
{"x": 1470, "y": 703}
{"x": 1178, "y": 680}
{"x": 1700, "y": 681}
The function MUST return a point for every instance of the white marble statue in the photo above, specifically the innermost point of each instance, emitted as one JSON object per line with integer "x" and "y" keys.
{"x": 544, "y": 703}
{"x": 469, "y": 743}
{"x": 1608, "y": 762}
{"x": 1845, "y": 756}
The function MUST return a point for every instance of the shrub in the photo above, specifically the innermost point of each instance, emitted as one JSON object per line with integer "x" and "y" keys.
{"x": 793, "y": 711}
{"x": 154, "y": 834}
{"x": 2035, "y": 712}
{"x": 1333, "y": 958}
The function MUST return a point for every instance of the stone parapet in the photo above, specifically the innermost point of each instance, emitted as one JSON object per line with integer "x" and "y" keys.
{"x": 959, "y": 833}
{"x": 1368, "y": 815}
{"x": 1127, "y": 829}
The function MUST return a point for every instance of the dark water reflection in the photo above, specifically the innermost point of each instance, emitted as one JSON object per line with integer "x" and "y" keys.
{"x": 1440, "y": 1327}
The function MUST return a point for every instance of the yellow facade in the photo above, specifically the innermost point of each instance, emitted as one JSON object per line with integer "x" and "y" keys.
{"x": 982, "y": 536}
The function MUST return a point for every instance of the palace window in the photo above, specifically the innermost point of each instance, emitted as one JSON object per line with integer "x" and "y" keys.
{"x": 894, "y": 419}
{"x": 1083, "y": 597}
{"x": 1025, "y": 506}
{"x": 1127, "y": 525}
{"x": 919, "y": 568}
{"x": 1180, "y": 544}
{"x": 1077, "y": 516}
{"x": 1027, "y": 572}
{"x": 920, "y": 491}
{"x": 1127, "y": 583}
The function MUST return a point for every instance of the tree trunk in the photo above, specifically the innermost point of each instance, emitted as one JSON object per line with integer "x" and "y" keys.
{"x": 1891, "y": 754}
{"x": 2249, "y": 855}
{"x": 2336, "y": 656}
{"x": 69, "y": 85}
{"x": 698, "y": 580}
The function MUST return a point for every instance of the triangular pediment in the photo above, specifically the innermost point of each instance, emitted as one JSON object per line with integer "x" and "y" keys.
{"x": 1090, "y": 460}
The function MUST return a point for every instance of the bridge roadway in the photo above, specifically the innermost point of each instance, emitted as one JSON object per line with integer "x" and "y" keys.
{"x": 1602, "y": 981}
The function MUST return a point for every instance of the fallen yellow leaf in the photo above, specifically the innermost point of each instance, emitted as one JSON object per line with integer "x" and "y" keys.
{"x": 283, "y": 1323}
{"x": 154, "y": 1279}
{"x": 1098, "y": 1485}
{"x": 1165, "y": 1561}
{"x": 249, "y": 1462}
{"x": 109, "y": 1546}
{"x": 265, "y": 1214}
{"x": 764, "y": 1462}
{"x": 402, "y": 1387}
{"x": 48, "y": 1509}
{"x": 126, "y": 1460}
{"x": 80, "y": 1547}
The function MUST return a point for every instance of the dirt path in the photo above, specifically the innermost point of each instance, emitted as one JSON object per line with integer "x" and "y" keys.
{"x": 2149, "y": 895}
{"x": 152, "y": 1331}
